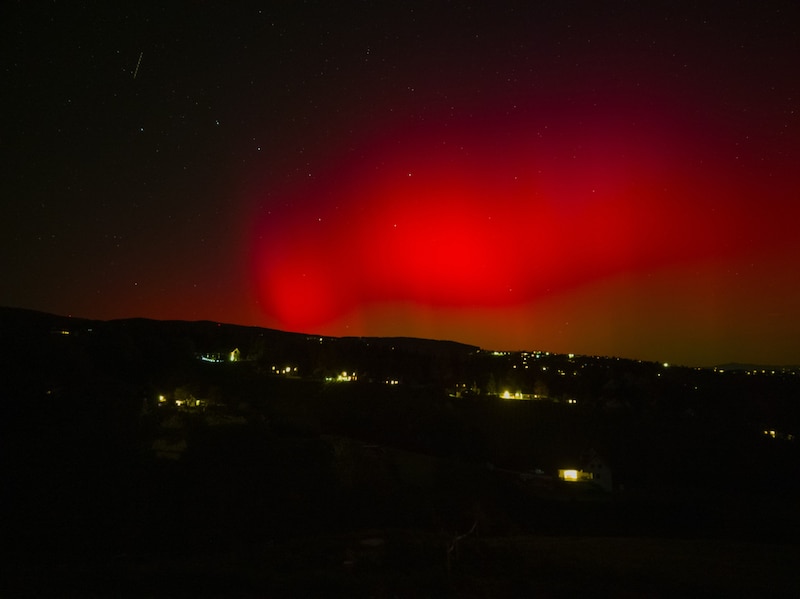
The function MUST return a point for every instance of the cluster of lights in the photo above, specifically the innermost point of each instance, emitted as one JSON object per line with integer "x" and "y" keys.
{"x": 285, "y": 370}
{"x": 343, "y": 377}
{"x": 761, "y": 371}
{"x": 536, "y": 355}
{"x": 192, "y": 402}
{"x": 526, "y": 396}
{"x": 216, "y": 358}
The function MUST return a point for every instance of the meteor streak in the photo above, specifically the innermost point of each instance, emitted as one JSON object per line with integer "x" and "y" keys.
{"x": 138, "y": 62}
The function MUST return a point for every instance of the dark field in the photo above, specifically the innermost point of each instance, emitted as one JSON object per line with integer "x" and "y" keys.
{"x": 402, "y": 563}
{"x": 247, "y": 512}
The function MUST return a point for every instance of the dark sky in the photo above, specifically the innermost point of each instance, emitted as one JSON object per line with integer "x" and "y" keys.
{"x": 610, "y": 178}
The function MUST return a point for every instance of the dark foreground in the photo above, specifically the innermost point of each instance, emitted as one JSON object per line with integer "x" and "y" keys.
{"x": 133, "y": 468}
{"x": 245, "y": 512}
{"x": 392, "y": 563}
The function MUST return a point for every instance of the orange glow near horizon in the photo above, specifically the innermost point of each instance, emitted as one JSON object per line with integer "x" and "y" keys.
{"x": 609, "y": 242}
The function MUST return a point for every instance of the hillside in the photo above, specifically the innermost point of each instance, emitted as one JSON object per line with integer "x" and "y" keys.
{"x": 187, "y": 446}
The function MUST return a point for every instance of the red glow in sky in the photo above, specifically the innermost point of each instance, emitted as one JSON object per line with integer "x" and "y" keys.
{"x": 598, "y": 178}
{"x": 504, "y": 235}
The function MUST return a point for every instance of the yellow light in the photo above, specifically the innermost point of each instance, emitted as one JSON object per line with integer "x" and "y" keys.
{"x": 571, "y": 475}
{"x": 506, "y": 395}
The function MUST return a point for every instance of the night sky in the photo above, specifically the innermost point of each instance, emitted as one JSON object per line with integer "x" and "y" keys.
{"x": 606, "y": 178}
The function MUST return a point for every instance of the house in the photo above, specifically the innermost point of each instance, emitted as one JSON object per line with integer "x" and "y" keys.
{"x": 594, "y": 469}
{"x": 599, "y": 469}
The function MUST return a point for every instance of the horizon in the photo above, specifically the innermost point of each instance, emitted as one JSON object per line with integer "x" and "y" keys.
{"x": 592, "y": 179}
{"x": 714, "y": 365}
